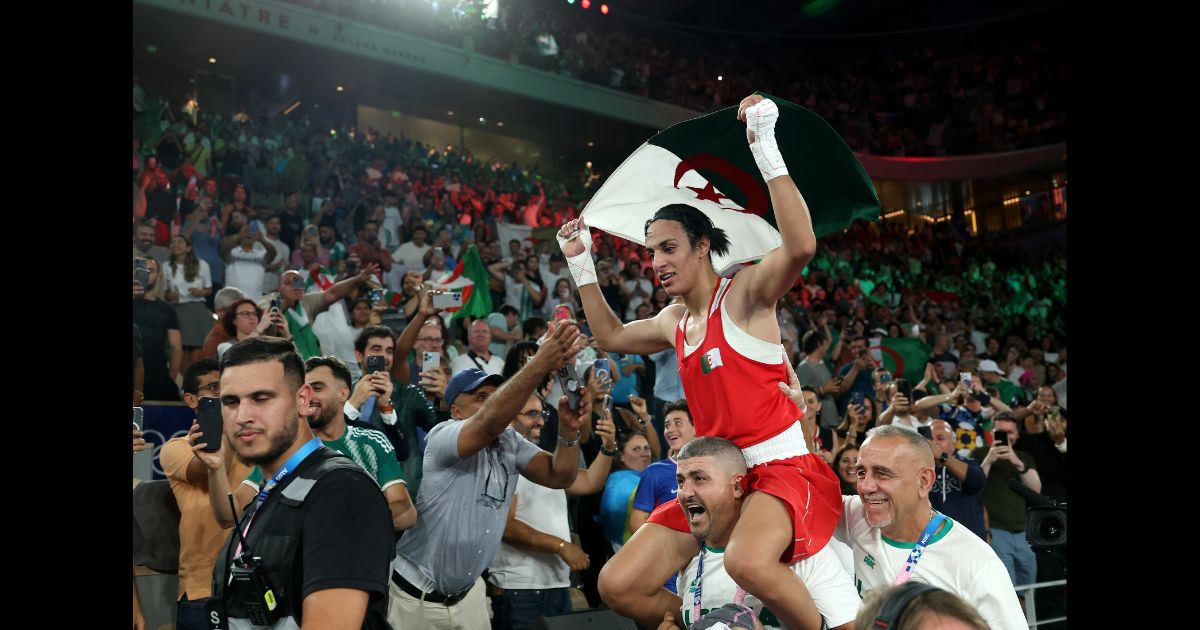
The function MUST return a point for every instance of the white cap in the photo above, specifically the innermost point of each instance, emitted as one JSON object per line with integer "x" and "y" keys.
{"x": 988, "y": 365}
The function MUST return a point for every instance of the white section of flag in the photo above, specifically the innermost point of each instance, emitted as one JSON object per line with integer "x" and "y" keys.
{"x": 508, "y": 232}
{"x": 643, "y": 184}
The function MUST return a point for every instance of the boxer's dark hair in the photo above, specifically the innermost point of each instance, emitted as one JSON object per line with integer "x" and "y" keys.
{"x": 695, "y": 224}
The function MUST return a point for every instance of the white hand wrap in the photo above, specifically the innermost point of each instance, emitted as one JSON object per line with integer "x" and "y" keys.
{"x": 760, "y": 119}
{"x": 583, "y": 268}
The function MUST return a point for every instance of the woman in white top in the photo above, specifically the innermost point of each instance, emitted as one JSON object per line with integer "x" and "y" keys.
{"x": 189, "y": 282}
{"x": 246, "y": 255}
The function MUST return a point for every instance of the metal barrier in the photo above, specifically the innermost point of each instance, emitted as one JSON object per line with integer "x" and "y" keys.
{"x": 1031, "y": 608}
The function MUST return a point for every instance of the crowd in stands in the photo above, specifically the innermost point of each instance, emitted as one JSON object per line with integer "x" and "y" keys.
{"x": 902, "y": 100}
{"x": 276, "y": 228}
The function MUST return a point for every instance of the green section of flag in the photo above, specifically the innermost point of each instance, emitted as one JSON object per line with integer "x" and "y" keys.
{"x": 834, "y": 184}
{"x": 907, "y": 353}
{"x": 479, "y": 302}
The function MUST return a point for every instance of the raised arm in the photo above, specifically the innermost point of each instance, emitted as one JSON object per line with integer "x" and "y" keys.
{"x": 498, "y": 411}
{"x": 644, "y": 336}
{"x": 772, "y": 277}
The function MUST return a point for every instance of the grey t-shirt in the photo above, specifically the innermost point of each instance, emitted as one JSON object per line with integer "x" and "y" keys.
{"x": 816, "y": 375}
{"x": 460, "y": 525}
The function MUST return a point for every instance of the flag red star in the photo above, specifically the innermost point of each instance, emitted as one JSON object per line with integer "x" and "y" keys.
{"x": 708, "y": 193}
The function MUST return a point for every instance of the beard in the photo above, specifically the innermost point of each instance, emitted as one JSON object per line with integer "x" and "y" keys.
{"x": 322, "y": 420}
{"x": 145, "y": 245}
{"x": 279, "y": 444}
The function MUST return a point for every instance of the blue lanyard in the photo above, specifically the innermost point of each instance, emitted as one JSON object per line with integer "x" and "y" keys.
{"x": 739, "y": 594}
{"x": 288, "y": 467}
{"x": 915, "y": 555}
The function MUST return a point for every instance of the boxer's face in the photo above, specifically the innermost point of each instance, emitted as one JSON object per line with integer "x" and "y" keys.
{"x": 676, "y": 263}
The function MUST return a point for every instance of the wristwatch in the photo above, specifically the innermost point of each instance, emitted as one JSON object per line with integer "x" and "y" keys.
{"x": 610, "y": 453}
{"x": 566, "y": 442}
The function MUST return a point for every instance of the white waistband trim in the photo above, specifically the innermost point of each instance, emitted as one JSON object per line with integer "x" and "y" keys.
{"x": 789, "y": 443}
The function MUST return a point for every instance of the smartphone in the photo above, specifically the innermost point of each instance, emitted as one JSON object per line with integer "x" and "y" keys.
{"x": 254, "y": 228}
{"x": 376, "y": 363}
{"x": 141, "y": 271}
{"x": 966, "y": 379}
{"x": 376, "y": 297}
{"x": 904, "y": 387}
{"x": 447, "y": 300}
{"x": 1053, "y": 414}
{"x": 570, "y": 387}
{"x": 608, "y": 404}
{"x": 430, "y": 361}
{"x": 1001, "y": 438}
{"x": 562, "y": 311}
{"x": 857, "y": 398}
{"x": 137, "y": 418}
{"x": 600, "y": 367}
{"x": 885, "y": 377}
{"x": 276, "y": 304}
{"x": 208, "y": 413}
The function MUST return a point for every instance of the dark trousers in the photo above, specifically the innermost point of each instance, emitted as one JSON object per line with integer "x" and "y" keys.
{"x": 191, "y": 614}
{"x": 519, "y": 609}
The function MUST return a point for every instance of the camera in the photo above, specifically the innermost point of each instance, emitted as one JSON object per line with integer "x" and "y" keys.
{"x": 1046, "y": 527}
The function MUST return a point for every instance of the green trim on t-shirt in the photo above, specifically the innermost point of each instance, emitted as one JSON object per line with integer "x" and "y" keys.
{"x": 942, "y": 531}
{"x": 715, "y": 549}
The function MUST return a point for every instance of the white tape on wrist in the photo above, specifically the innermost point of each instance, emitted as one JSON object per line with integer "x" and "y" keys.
{"x": 583, "y": 268}
{"x": 760, "y": 119}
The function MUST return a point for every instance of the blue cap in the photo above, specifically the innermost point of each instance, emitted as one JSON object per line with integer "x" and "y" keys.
{"x": 469, "y": 380}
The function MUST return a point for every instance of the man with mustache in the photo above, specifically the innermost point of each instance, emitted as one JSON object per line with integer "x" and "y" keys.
{"x": 370, "y": 449}
{"x": 711, "y": 478}
{"x": 318, "y": 534}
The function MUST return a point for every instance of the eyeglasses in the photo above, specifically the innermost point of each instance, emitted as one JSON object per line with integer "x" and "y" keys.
{"x": 487, "y": 498}
{"x": 533, "y": 413}
{"x": 214, "y": 387}
{"x": 437, "y": 340}
{"x": 247, "y": 313}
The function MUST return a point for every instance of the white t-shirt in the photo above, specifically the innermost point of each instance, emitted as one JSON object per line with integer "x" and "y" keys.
{"x": 911, "y": 423}
{"x": 245, "y": 270}
{"x": 955, "y": 560}
{"x": 336, "y": 335}
{"x": 177, "y": 282}
{"x": 831, "y": 588}
{"x": 389, "y": 236}
{"x": 549, "y": 279}
{"x": 410, "y": 257}
{"x": 544, "y": 509}
{"x": 282, "y": 252}
{"x": 465, "y": 362}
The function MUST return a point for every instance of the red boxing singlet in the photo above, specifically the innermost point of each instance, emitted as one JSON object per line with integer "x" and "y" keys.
{"x": 737, "y": 398}
{"x": 730, "y": 395}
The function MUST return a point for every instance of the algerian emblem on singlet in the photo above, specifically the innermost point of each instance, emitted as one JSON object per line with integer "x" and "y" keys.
{"x": 711, "y": 360}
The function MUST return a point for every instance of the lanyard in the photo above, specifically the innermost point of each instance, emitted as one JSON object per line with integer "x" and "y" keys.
{"x": 738, "y": 597}
{"x": 915, "y": 555}
{"x": 281, "y": 474}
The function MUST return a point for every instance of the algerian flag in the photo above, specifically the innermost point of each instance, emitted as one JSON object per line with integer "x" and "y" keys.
{"x": 322, "y": 279}
{"x": 705, "y": 162}
{"x": 467, "y": 273}
{"x": 904, "y": 357}
{"x": 528, "y": 236}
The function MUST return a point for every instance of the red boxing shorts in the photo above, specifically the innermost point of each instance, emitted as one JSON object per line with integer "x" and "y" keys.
{"x": 809, "y": 490}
